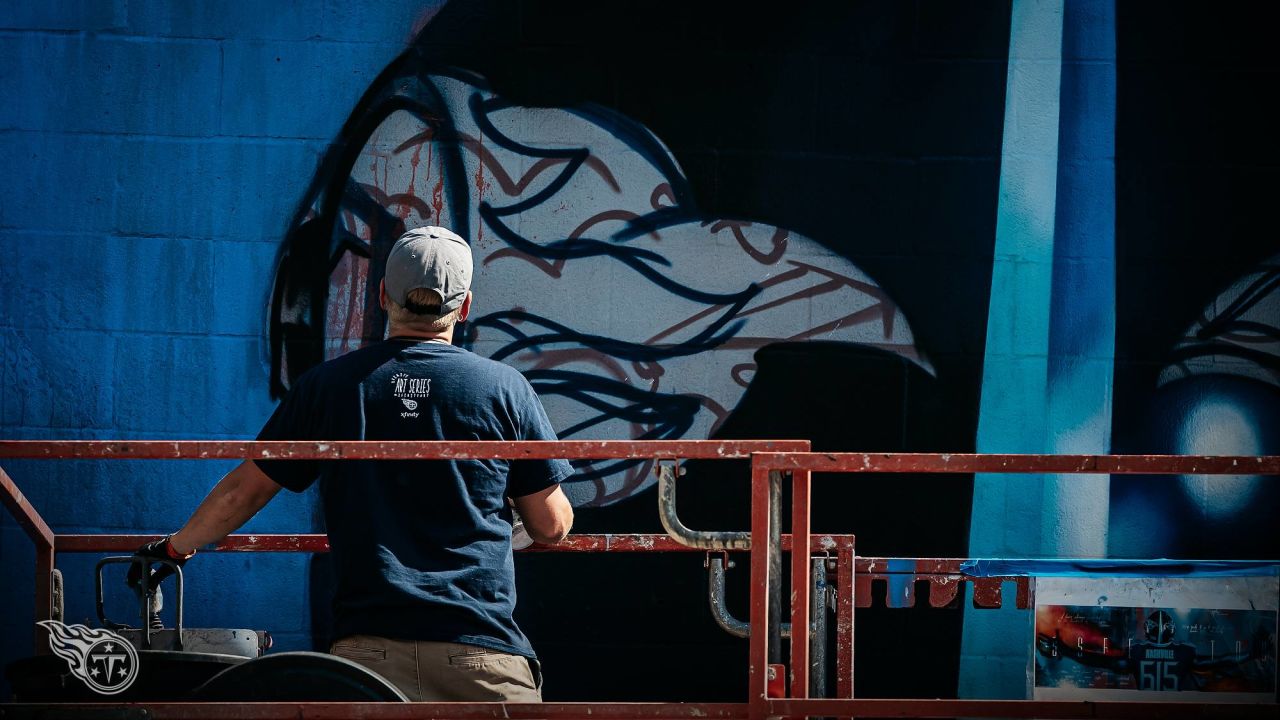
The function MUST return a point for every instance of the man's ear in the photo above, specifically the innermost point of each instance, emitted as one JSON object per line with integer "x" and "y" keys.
{"x": 465, "y": 310}
{"x": 382, "y": 294}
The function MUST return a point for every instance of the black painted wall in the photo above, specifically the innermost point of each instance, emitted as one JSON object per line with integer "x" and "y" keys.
{"x": 1197, "y": 172}
{"x": 874, "y": 128}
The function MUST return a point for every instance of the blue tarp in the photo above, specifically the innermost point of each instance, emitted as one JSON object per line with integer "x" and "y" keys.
{"x": 1121, "y": 568}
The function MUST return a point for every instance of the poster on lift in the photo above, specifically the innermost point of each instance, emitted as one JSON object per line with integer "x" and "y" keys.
{"x": 1156, "y": 639}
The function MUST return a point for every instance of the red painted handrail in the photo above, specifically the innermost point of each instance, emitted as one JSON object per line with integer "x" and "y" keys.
{"x": 767, "y": 456}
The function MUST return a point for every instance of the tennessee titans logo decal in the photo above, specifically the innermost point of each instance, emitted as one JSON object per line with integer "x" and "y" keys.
{"x": 103, "y": 660}
{"x": 1159, "y": 628}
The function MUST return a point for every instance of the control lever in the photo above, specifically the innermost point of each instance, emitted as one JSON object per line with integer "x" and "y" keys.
{"x": 150, "y": 601}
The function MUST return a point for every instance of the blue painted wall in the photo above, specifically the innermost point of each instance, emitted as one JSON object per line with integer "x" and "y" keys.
{"x": 157, "y": 151}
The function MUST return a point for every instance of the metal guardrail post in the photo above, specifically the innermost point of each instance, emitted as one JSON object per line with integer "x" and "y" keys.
{"x": 800, "y": 589}
{"x": 844, "y": 622}
{"x": 775, "y": 569}
{"x": 818, "y": 627}
{"x": 31, "y": 522}
{"x": 758, "y": 658}
{"x": 716, "y": 600}
{"x": 701, "y": 539}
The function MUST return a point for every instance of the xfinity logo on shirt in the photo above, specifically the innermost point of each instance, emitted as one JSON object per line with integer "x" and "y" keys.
{"x": 409, "y": 390}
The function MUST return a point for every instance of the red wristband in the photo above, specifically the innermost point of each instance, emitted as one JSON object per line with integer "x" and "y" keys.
{"x": 173, "y": 553}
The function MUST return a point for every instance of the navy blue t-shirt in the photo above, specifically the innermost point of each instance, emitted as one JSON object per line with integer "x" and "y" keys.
{"x": 421, "y": 548}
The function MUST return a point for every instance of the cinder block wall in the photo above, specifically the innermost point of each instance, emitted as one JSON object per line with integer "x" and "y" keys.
{"x": 155, "y": 152}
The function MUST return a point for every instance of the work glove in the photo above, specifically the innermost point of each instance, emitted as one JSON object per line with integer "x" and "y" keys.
{"x": 153, "y": 551}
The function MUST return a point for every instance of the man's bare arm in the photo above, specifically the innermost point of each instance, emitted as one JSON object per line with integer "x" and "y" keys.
{"x": 238, "y": 496}
{"x": 547, "y": 515}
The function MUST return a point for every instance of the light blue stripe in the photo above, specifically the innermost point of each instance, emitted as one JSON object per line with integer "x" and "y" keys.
{"x": 1076, "y": 509}
{"x": 1076, "y": 567}
{"x": 1016, "y": 369}
{"x": 1015, "y": 382}
{"x": 1047, "y": 378}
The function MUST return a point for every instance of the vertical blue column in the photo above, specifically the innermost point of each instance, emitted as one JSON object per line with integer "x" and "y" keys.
{"x": 1012, "y": 413}
{"x": 1051, "y": 323}
{"x": 1083, "y": 317}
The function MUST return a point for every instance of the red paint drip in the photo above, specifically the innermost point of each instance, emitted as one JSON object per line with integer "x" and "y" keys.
{"x": 414, "y": 159}
{"x": 480, "y": 185}
{"x": 439, "y": 188}
{"x": 413, "y": 168}
{"x": 437, "y": 197}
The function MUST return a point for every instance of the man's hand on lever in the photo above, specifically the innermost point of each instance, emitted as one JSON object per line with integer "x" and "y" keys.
{"x": 156, "y": 550}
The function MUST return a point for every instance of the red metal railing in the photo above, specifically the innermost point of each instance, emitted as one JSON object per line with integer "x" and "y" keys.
{"x": 43, "y": 537}
{"x": 854, "y": 575}
{"x": 48, "y": 543}
{"x": 863, "y": 708}
{"x": 801, "y": 466}
{"x": 396, "y": 450}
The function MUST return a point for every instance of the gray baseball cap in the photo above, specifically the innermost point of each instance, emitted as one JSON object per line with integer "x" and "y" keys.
{"x": 433, "y": 258}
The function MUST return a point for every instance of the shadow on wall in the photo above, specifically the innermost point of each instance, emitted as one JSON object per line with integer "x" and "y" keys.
{"x": 614, "y": 271}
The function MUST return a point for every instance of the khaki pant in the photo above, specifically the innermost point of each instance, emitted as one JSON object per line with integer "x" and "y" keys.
{"x": 444, "y": 672}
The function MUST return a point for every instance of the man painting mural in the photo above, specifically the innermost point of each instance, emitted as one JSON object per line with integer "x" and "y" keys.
{"x": 421, "y": 549}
